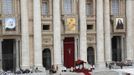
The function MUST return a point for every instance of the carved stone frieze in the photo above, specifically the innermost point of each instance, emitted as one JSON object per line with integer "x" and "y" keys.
{"x": 91, "y": 39}
{"x": 47, "y": 40}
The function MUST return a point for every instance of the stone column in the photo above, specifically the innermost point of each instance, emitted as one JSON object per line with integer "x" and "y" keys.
{"x": 76, "y": 48}
{"x": 129, "y": 15}
{"x": 25, "y": 34}
{"x": 100, "y": 35}
{"x": 62, "y": 50}
{"x": 83, "y": 30}
{"x": 17, "y": 55}
{"x": 118, "y": 47}
{"x": 122, "y": 48}
{"x": 37, "y": 34}
{"x": 57, "y": 32}
{"x": 0, "y": 55}
{"x": 107, "y": 31}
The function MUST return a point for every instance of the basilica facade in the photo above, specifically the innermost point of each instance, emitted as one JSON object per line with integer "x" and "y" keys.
{"x": 42, "y": 33}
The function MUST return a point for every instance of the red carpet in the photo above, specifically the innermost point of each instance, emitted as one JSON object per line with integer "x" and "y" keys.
{"x": 85, "y": 71}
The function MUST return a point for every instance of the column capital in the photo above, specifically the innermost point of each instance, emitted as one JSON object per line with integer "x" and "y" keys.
{"x": 62, "y": 38}
{"x": 17, "y": 40}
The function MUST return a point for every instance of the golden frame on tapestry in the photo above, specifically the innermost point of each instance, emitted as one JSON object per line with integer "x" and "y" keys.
{"x": 71, "y": 25}
{"x": 119, "y": 24}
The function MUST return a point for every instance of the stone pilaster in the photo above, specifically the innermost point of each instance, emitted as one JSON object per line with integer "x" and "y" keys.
{"x": 37, "y": 34}
{"x": 83, "y": 29}
{"x": 17, "y": 55}
{"x": 57, "y": 32}
{"x": 25, "y": 34}
{"x": 0, "y": 55}
{"x": 76, "y": 48}
{"x": 107, "y": 31}
{"x": 129, "y": 15}
{"x": 100, "y": 35}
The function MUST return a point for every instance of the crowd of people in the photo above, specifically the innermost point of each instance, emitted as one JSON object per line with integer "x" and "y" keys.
{"x": 111, "y": 65}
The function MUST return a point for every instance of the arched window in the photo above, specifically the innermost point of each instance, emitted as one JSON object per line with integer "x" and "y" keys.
{"x": 67, "y": 6}
{"x": 115, "y": 7}
{"x": 89, "y": 7}
{"x": 90, "y": 55}
{"x": 7, "y": 7}
{"x": 47, "y": 58}
{"x": 45, "y": 7}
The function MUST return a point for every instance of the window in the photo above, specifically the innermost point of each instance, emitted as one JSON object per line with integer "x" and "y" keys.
{"x": 46, "y": 27}
{"x": 7, "y": 7}
{"x": 67, "y": 6}
{"x": 115, "y": 7}
{"x": 45, "y": 7}
{"x": 0, "y": 8}
{"x": 89, "y": 27}
{"x": 0, "y": 22}
{"x": 89, "y": 8}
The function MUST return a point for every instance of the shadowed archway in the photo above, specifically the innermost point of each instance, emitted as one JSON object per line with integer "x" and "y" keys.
{"x": 8, "y": 55}
{"x": 116, "y": 48}
{"x": 90, "y": 55}
{"x": 47, "y": 58}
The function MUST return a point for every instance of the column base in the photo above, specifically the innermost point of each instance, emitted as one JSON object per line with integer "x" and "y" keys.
{"x": 40, "y": 68}
{"x": 24, "y": 67}
{"x": 1, "y": 70}
{"x": 59, "y": 67}
{"x": 17, "y": 69}
{"x": 100, "y": 65}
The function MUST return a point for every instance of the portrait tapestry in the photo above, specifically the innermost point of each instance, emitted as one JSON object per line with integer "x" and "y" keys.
{"x": 119, "y": 25}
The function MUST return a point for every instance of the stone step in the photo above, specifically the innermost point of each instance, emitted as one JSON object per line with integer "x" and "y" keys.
{"x": 23, "y": 74}
{"x": 68, "y": 73}
{"x": 108, "y": 72}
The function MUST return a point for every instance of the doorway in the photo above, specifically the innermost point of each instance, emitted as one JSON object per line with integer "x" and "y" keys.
{"x": 90, "y": 55}
{"x": 69, "y": 52}
{"x": 8, "y": 55}
{"x": 47, "y": 58}
{"x": 116, "y": 48}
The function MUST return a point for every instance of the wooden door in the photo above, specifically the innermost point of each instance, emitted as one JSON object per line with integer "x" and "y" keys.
{"x": 69, "y": 52}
